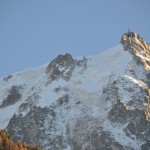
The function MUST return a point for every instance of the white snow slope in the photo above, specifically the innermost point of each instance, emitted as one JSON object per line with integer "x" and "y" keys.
{"x": 88, "y": 84}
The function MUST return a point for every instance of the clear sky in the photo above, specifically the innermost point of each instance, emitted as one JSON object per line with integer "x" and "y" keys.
{"x": 33, "y": 32}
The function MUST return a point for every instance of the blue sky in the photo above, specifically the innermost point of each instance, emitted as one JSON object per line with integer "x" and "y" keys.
{"x": 33, "y": 32}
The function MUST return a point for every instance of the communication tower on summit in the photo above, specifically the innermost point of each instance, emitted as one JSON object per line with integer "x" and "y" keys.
{"x": 129, "y": 29}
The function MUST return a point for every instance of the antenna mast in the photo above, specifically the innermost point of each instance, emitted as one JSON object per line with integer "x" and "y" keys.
{"x": 129, "y": 29}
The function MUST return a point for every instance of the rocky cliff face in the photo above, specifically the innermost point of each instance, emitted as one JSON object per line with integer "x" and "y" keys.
{"x": 140, "y": 50}
{"x": 61, "y": 67}
{"x": 93, "y": 103}
{"x": 138, "y": 47}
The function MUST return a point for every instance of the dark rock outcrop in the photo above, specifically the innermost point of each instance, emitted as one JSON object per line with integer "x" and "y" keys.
{"x": 61, "y": 67}
{"x": 13, "y": 97}
{"x": 7, "y": 78}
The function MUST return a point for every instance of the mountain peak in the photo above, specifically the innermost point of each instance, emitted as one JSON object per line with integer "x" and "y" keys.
{"x": 138, "y": 47}
{"x": 61, "y": 67}
{"x": 130, "y": 39}
{"x": 95, "y": 102}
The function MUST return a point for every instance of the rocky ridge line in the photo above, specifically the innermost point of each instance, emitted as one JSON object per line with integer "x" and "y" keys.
{"x": 140, "y": 49}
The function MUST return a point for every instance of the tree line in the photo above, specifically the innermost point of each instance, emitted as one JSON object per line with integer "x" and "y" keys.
{"x": 6, "y": 143}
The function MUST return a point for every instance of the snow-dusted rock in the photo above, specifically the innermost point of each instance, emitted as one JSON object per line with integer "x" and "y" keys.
{"x": 61, "y": 67}
{"x": 100, "y": 102}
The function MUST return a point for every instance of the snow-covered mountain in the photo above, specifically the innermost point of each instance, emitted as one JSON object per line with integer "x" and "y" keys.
{"x": 99, "y": 102}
